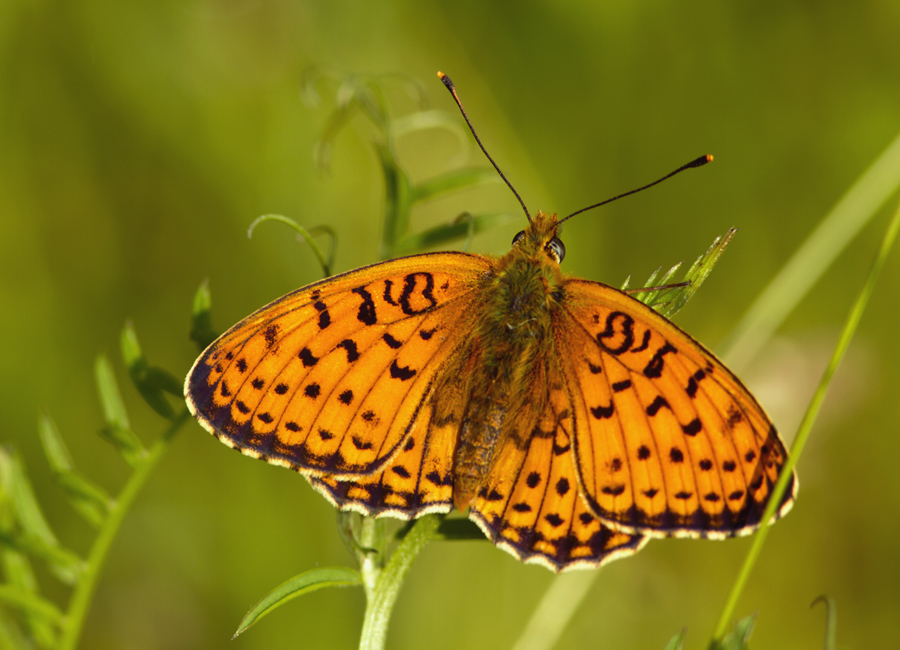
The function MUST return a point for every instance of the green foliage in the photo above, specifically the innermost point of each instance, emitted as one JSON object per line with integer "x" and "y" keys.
{"x": 28, "y": 619}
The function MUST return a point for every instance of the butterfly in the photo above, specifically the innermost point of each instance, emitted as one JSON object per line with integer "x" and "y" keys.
{"x": 572, "y": 421}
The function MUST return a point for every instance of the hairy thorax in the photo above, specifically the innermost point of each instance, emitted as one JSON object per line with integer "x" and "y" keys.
{"x": 509, "y": 342}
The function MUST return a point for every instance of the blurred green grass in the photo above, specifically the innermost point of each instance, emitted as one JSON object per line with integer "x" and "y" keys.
{"x": 140, "y": 141}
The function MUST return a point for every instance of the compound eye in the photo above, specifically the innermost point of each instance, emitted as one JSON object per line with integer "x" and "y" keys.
{"x": 519, "y": 237}
{"x": 556, "y": 249}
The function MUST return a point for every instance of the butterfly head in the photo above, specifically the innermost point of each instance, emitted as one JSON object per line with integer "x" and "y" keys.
{"x": 540, "y": 239}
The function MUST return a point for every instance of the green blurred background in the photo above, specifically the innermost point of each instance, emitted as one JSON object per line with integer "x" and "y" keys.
{"x": 139, "y": 140}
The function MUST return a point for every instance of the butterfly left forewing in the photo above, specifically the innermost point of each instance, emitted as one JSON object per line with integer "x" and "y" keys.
{"x": 667, "y": 441}
{"x": 330, "y": 378}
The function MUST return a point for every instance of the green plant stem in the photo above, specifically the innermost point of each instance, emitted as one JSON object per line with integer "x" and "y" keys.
{"x": 81, "y": 597}
{"x": 806, "y": 424}
{"x": 380, "y": 602}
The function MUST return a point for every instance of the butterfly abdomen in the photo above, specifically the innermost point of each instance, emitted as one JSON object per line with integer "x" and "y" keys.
{"x": 506, "y": 351}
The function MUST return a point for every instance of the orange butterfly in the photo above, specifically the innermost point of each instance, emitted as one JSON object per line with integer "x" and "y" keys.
{"x": 573, "y": 421}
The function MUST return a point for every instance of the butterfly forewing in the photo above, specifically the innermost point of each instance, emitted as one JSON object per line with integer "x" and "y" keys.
{"x": 666, "y": 440}
{"x": 330, "y": 378}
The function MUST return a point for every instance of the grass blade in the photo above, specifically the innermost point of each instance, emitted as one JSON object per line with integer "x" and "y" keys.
{"x": 299, "y": 585}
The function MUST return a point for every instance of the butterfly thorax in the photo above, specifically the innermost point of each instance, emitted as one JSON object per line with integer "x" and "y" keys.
{"x": 508, "y": 356}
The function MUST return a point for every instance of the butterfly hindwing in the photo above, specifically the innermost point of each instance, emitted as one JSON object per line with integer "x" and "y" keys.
{"x": 330, "y": 378}
{"x": 530, "y": 504}
{"x": 667, "y": 441}
{"x": 416, "y": 480}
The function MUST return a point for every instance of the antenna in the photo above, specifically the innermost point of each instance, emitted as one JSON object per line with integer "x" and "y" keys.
{"x": 699, "y": 162}
{"x": 452, "y": 90}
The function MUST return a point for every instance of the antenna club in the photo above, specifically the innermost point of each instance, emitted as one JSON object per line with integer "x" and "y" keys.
{"x": 699, "y": 162}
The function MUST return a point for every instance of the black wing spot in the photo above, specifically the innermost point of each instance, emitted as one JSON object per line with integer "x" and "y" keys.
{"x": 595, "y": 370}
{"x": 643, "y": 452}
{"x": 324, "y": 320}
{"x": 242, "y": 365}
{"x": 521, "y": 507}
{"x": 292, "y": 426}
{"x": 307, "y": 357}
{"x": 349, "y": 346}
{"x": 655, "y": 367}
{"x": 361, "y": 444}
{"x": 586, "y": 518}
{"x": 391, "y": 341}
{"x": 693, "y": 427}
{"x": 750, "y": 456}
{"x": 409, "y": 444}
{"x": 676, "y": 455}
{"x": 533, "y": 480}
{"x": 706, "y": 464}
{"x": 652, "y": 492}
{"x": 617, "y": 324}
{"x": 427, "y": 334}
{"x": 562, "y": 486}
{"x": 265, "y": 417}
{"x": 613, "y": 490}
{"x": 243, "y": 408}
{"x": 658, "y": 402}
{"x": 366, "y": 313}
{"x": 346, "y": 397}
{"x": 281, "y": 389}
{"x": 554, "y": 519}
{"x": 736, "y": 495}
{"x": 619, "y": 386}
{"x": 258, "y": 383}
{"x": 271, "y": 334}
{"x": 645, "y": 342}
{"x": 615, "y": 465}
{"x": 401, "y": 471}
{"x": 712, "y": 497}
{"x": 403, "y": 373}
{"x": 223, "y": 388}
{"x": 603, "y": 412}
{"x": 683, "y": 495}
{"x": 729, "y": 466}
{"x": 325, "y": 434}
{"x": 312, "y": 391}
{"x": 368, "y": 416}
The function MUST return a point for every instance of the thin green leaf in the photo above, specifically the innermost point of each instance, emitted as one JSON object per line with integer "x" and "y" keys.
{"x": 676, "y": 642}
{"x": 299, "y": 585}
{"x": 830, "y": 620}
{"x": 28, "y": 602}
{"x": 452, "y": 182}
{"x": 326, "y": 262}
{"x": 55, "y": 449}
{"x": 739, "y": 637}
{"x": 89, "y": 500}
{"x": 117, "y": 429}
{"x": 11, "y": 636}
{"x": 668, "y": 300}
{"x": 434, "y": 119}
{"x": 202, "y": 332}
{"x": 447, "y": 232}
{"x": 152, "y": 383}
{"x": 397, "y": 201}
{"x": 65, "y": 564}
